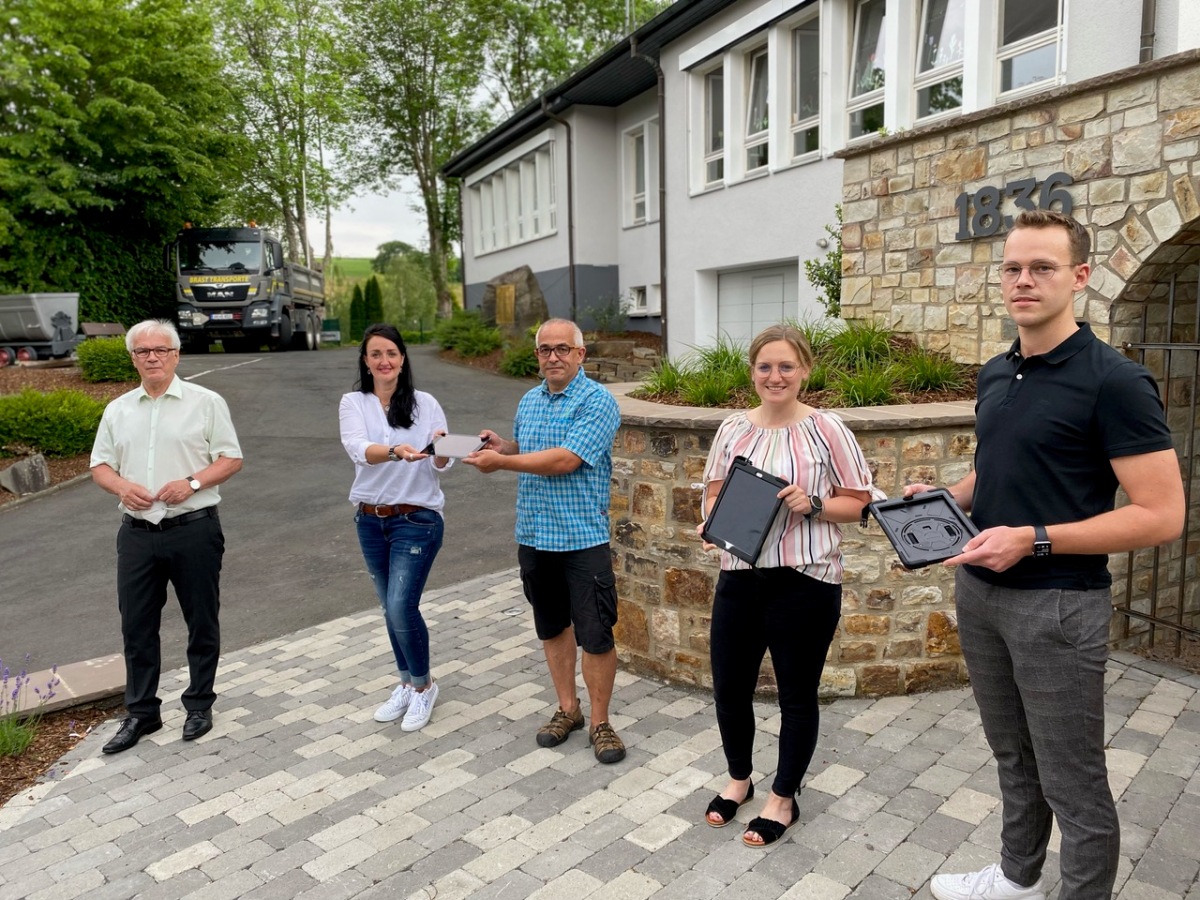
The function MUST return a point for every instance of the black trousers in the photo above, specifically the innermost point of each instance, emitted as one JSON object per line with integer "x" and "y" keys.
{"x": 794, "y": 616}
{"x": 189, "y": 557}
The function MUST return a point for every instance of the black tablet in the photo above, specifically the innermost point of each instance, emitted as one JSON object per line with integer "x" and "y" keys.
{"x": 744, "y": 511}
{"x": 924, "y": 528}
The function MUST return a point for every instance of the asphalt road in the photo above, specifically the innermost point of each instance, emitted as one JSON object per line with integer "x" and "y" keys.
{"x": 291, "y": 554}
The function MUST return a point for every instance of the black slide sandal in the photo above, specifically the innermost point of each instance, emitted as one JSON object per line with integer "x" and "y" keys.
{"x": 768, "y": 829}
{"x": 725, "y": 808}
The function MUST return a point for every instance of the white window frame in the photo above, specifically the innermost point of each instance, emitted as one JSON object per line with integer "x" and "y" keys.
{"x": 938, "y": 74}
{"x": 1051, "y": 36}
{"x": 798, "y": 125}
{"x": 640, "y": 207}
{"x": 756, "y": 133}
{"x": 711, "y": 155}
{"x": 645, "y": 300}
{"x": 857, "y": 103}
{"x": 513, "y": 202}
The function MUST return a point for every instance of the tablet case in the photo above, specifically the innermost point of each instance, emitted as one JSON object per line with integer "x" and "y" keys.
{"x": 924, "y": 528}
{"x": 744, "y": 511}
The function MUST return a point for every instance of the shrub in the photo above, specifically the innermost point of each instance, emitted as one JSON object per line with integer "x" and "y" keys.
{"x": 859, "y": 345}
{"x": 416, "y": 337}
{"x": 868, "y": 386}
{"x": 520, "y": 360}
{"x": 609, "y": 314}
{"x": 709, "y": 387}
{"x": 105, "y": 359}
{"x": 819, "y": 377}
{"x": 826, "y": 274}
{"x": 62, "y": 423}
{"x": 465, "y": 332}
{"x": 665, "y": 378}
{"x": 924, "y": 370}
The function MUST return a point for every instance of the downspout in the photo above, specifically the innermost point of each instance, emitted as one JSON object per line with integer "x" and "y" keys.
{"x": 570, "y": 205}
{"x": 1149, "y": 16}
{"x": 662, "y": 188}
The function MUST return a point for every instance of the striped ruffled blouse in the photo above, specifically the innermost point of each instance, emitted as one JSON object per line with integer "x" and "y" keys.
{"x": 816, "y": 453}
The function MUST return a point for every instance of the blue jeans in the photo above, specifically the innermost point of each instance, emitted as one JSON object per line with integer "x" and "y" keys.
{"x": 399, "y": 551}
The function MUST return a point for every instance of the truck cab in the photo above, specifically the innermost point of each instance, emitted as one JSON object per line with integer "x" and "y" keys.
{"x": 233, "y": 285}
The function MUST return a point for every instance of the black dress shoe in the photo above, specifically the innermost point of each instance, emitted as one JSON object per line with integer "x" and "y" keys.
{"x": 196, "y": 724}
{"x": 130, "y": 733}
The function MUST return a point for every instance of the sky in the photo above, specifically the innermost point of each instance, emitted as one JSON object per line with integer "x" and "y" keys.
{"x": 368, "y": 220}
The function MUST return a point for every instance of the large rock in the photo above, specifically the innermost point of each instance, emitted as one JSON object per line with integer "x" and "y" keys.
{"x": 529, "y": 303}
{"x": 28, "y": 476}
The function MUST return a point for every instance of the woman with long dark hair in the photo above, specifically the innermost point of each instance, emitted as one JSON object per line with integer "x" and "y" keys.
{"x": 386, "y": 426}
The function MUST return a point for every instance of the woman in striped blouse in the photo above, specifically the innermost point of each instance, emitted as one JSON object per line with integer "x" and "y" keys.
{"x": 789, "y": 601}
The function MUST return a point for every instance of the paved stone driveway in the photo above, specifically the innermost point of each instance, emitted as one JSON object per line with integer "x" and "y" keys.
{"x": 297, "y": 792}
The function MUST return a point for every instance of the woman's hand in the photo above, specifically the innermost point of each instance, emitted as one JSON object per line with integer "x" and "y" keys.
{"x": 796, "y": 500}
{"x": 705, "y": 545}
{"x": 409, "y": 453}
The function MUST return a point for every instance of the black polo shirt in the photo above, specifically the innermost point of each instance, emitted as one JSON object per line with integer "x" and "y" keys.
{"x": 1047, "y": 427}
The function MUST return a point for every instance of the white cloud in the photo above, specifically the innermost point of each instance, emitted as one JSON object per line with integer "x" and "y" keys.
{"x": 368, "y": 220}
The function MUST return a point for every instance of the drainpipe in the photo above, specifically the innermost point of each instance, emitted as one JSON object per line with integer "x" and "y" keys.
{"x": 1149, "y": 15}
{"x": 570, "y": 205}
{"x": 662, "y": 187}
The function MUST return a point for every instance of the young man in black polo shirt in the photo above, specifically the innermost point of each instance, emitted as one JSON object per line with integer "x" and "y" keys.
{"x": 1062, "y": 420}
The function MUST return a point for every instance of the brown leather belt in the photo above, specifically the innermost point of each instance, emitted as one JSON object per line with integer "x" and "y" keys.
{"x": 385, "y": 512}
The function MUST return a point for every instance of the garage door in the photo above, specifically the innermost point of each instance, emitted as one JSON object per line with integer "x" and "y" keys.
{"x": 750, "y": 300}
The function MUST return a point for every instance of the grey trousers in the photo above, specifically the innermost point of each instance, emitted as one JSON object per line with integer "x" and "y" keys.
{"x": 1036, "y": 660}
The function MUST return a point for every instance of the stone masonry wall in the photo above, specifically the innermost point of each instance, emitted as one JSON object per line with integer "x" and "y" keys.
{"x": 898, "y": 632}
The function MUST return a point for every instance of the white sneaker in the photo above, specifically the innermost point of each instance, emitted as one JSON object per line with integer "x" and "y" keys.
{"x": 987, "y": 884}
{"x": 396, "y": 705}
{"x": 420, "y": 708}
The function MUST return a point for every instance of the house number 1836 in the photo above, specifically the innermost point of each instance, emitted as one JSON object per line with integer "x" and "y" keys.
{"x": 986, "y": 219}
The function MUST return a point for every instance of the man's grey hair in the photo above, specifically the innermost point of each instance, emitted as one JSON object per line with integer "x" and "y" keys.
{"x": 578, "y": 335}
{"x": 153, "y": 326}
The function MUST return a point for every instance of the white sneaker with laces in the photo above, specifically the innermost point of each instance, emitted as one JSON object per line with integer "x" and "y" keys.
{"x": 420, "y": 709}
{"x": 986, "y": 884}
{"x": 399, "y": 701}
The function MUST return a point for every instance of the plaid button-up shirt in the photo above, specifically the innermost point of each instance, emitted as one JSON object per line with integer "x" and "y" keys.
{"x": 566, "y": 512}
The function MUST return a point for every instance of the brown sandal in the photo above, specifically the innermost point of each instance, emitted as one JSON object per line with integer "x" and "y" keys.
{"x": 560, "y": 725}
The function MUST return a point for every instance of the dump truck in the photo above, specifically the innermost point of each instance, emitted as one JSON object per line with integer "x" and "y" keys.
{"x": 38, "y": 326}
{"x": 233, "y": 285}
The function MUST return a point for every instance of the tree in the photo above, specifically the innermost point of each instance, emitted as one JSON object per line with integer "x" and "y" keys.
{"x": 373, "y": 301}
{"x": 358, "y": 314}
{"x": 285, "y": 62}
{"x": 409, "y": 299}
{"x": 534, "y": 44}
{"x": 115, "y": 128}
{"x": 418, "y": 72}
{"x": 826, "y": 274}
{"x": 388, "y": 252}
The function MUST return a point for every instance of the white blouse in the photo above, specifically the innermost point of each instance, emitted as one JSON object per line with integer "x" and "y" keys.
{"x": 363, "y": 422}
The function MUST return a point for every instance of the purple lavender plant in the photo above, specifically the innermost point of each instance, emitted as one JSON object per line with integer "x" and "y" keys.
{"x": 18, "y": 728}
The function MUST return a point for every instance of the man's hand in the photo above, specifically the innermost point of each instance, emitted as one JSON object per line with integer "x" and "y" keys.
{"x": 485, "y": 460}
{"x": 911, "y": 490}
{"x": 493, "y": 441}
{"x": 135, "y": 497}
{"x": 996, "y": 548}
{"x": 173, "y": 492}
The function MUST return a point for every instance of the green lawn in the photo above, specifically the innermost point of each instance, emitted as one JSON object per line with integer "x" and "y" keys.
{"x": 352, "y": 269}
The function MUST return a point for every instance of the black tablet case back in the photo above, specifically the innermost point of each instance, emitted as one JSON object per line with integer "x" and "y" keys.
{"x": 924, "y": 528}
{"x": 745, "y": 509}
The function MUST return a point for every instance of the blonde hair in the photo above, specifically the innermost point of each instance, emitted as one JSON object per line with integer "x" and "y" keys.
{"x": 787, "y": 333}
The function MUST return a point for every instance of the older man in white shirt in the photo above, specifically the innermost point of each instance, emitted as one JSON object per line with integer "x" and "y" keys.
{"x": 163, "y": 448}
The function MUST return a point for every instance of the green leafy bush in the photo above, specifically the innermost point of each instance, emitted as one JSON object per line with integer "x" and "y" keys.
{"x": 466, "y": 332}
{"x": 520, "y": 360}
{"x": 859, "y": 345}
{"x": 868, "y": 386}
{"x": 665, "y": 378}
{"x": 62, "y": 423}
{"x": 826, "y": 274}
{"x": 416, "y": 337}
{"x": 105, "y": 359}
{"x": 924, "y": 370}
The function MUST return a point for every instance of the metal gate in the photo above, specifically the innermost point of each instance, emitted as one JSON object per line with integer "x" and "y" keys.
{"x": 1161, "y": 595}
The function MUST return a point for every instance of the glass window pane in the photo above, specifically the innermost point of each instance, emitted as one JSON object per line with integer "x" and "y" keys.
{"x": 940, "y": 97}
{"x": 866, "y": 121}
{"x": 1027, "y": 68}
{"x": 756, "y": 157}
{"x": 806, "y": 66}
{"x": 942, "y": 34}
{"x": 1025, "y": 18}
{"x": 714, "y": 171}
{"x": 756, "y": 108}
{"x": 639, "y": 164}
{"x": 714, "y": 112}
{"x": 806, "y": 141}
{"x": 869, "y": 61}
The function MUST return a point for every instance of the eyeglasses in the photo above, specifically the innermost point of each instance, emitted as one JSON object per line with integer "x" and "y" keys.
{"x": 160, "y": 352}
{"x": 1010, "y": 272}
{"x": 787, "y": 370}
{"x": 559, "y": 350}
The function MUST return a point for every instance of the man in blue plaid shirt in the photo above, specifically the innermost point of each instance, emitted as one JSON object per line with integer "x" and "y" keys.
{"x": 562, "y": 452}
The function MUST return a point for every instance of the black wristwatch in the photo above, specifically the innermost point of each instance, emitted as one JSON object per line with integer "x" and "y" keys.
{"x": 1041, "y": 541}
{"x": 818, "y": 507}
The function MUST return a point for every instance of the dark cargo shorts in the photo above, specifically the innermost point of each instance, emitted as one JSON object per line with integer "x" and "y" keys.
{"x": 575, "y": 587}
